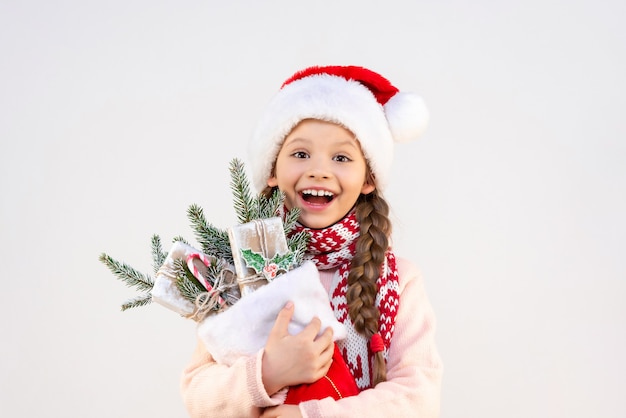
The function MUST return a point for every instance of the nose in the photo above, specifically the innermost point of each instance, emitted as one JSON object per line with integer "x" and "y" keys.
{"x": 317, "y": 174}
{"x": 318, "y": 169}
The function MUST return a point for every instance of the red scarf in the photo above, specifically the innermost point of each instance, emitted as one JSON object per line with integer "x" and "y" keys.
{"x": 333, "y": 247}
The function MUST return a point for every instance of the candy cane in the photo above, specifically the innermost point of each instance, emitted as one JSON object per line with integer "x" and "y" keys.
{"x": 194, "y": 270}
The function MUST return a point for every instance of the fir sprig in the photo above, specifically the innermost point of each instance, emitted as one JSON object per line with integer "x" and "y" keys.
{"x": 127, "y": 274}
{"x": 272, "y": 206}
{"x": 158, "y": 256}
{"x": 179, "y": 238}
{"x": 187, "y": 284}
{"x": 137, "y": 302}
{"x": 132, "y": 278}
{"x": 246, "y": 207}
{"x": 291, "y": 217}
{"x": 214, "y": 241}
{"x": 297, "y": 244}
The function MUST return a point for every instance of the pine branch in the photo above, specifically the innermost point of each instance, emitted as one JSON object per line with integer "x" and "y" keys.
{"x": 180, "y": 238}
{"x": 297, "y": 243}
{"x": 187, "y": 289}
{"x": 291, "y": 217}
{"x": 142, "y": 300}
{"x": 188, "y": 285}
{"x": 158, "y": 256}
{"x": 271, "y": 207}
{"x": 215, "y": 268}
{"x": 214, "y": 241}
{"x": 243, "y": 202}
{"x": 127, "y": 274}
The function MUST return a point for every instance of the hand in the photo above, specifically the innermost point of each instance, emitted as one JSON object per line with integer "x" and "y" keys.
{"x": 282, "y": 411}
{"x": 294, "y": 359}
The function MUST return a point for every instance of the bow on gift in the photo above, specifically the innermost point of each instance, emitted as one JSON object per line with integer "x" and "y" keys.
{"x": 213, "y": 288}
{"x": 212, "y": 299}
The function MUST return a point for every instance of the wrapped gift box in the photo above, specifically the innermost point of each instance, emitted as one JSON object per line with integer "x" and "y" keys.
{"x": 264, "y": 237}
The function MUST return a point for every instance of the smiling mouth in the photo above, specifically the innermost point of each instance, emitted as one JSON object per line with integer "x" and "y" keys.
{"x": 317, "y": 196}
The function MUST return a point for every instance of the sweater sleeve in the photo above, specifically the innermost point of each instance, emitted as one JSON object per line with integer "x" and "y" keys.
{"x": 414, "y": 368}
{"x": 210, "y": 389}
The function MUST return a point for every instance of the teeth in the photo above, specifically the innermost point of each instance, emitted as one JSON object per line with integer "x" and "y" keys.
{"x": 313, "y": 192}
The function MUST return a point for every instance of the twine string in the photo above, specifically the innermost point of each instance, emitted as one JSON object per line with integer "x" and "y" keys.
{"x": 209, "y": 301}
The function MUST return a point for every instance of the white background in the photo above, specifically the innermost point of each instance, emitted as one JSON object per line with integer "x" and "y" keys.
{"x": 116, "y": 115}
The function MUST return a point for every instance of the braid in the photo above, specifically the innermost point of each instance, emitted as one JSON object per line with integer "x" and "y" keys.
{"x": 372, "y": 213}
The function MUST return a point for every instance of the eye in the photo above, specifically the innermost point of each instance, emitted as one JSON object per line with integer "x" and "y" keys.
{"x": 342, "y": 158}
{"x": 300, "y": 154}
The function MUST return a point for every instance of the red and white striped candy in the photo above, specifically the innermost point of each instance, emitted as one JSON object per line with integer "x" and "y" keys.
{"x": 196, "y": 273}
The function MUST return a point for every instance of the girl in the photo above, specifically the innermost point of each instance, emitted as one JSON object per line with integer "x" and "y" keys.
{"x": 326, "y": 141}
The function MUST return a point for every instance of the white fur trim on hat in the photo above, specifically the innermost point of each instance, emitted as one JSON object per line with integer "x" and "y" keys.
{"x": 344, "y": 101}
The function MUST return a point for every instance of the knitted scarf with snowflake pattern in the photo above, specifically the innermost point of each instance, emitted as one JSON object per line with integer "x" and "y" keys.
{"x": 334, "y": 247}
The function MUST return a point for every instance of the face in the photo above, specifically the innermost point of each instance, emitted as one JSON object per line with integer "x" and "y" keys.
{"x": 322, "y": 171}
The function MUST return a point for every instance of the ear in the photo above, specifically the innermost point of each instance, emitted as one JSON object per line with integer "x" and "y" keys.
{"x": 272, "y": 181}
{"x": 367, "y": 188}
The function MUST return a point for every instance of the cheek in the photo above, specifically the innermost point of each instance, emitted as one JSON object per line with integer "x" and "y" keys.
{"x": 283, "y": 175}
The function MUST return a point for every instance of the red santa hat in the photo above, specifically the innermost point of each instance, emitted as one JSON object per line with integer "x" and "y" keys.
{"x": 359, "y": 99}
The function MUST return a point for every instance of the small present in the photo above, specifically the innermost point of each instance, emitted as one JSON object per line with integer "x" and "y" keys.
{"x": 213, "y": 297}
{"x": 260, "y": 252}
{"x": 165, "y": 292}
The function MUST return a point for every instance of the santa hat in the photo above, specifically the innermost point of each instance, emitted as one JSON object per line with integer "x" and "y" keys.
{"x": 362, "y": 101}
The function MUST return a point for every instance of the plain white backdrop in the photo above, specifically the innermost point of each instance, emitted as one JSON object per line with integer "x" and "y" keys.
{"x": 115, "y": 116}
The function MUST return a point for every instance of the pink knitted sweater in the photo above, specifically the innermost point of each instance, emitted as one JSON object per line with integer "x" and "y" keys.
{"x": 412, "y": 389}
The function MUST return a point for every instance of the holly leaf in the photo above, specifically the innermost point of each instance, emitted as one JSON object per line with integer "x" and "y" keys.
{"x": 284, "y": 261}
{"x": 253, "y": 260}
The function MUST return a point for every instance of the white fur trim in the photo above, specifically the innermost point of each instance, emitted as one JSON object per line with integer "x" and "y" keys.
{"x": 244, "y": 327}
{"x": 328, "y": 98}
{"x": 407, "y": 115}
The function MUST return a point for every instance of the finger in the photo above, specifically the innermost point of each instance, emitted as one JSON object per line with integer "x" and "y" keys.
{"x": 324, "y": 340}
{"x": 327, "y": 336}
{"x": 326, "y": 367}
{"x": 312, "y": 329}
{"x": 282, "y": 321}
{"x": 327, "y": 352}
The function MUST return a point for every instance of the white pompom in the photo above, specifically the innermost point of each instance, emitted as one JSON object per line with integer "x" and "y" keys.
{"x": 407, "y": 116}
